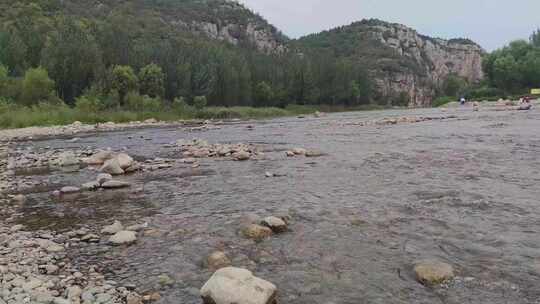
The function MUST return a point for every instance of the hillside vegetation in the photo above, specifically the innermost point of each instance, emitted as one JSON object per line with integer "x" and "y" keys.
{"x": 159, "y": 55}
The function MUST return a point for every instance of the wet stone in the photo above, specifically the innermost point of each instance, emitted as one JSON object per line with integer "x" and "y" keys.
{"x": 236, "y": 285}
{"x": 257, "y": 232}
{"x": 432, "y": 272}
{"x": 123, "y": 238}
{"x": 276, "y": 224}
{"x": 114, "y": 184}
{"x": 113, "y": 228}
{"x": 69, "y": 190}
{"x": 218, "y": 260}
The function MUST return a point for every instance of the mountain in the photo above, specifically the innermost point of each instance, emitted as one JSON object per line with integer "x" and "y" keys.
{"x": 223, "y": 20}
{"x": 223, "y": 51}
{"x": 402, "y": 62}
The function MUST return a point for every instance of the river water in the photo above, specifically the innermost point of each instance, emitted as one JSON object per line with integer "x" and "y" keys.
{"x": 464, "y": 190}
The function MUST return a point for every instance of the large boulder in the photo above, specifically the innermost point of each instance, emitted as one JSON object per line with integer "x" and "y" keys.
{"x": 239, "y": 286}
{"x": 432, "y": 272}
{"x": 112, "y": 166}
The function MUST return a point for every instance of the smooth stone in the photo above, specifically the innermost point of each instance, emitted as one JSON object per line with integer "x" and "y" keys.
{"x": 69, "y": 189}
{"x": 113, "y": 228}
{"x": 123, "y": 237}
{"x": 276, "y": 224}
{"x": 241, "y": 155}
{"x": 218, "y": 260}
{"x": 313, "y": 153}
{"x": 103, "y": 177}
{"x": 90, "y": 186}
{"x": 113, "y": 184}
{"x": 239, "y": 286}
{"x": 257, "y": 232}
{"x": 125, "y": 161}
{"x": 432, "y": 272}
{"x": 112, "y": 166}
{"x": 67, "y": 159}
{"x": 98, "y": 158}
{"x": 299, "y": 151}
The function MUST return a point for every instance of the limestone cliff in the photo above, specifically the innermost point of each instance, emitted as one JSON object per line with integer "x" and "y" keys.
{"x": 406, "y": 67}
{"x": 436, "y": 59}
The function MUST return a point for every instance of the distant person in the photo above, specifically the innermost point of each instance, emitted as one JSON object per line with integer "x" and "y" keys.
{"x": 462, "y": 101}
{"x": 525, "y": 104}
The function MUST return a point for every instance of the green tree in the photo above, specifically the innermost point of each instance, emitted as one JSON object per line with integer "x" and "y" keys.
{"x": 124, "y": 80}
{"x": 454, "y": 85}
{"x": 506, "y": 72}
{"x": 72, "y": 57}
{"x": 263, "y": 94}
{"x": 37, "y": 86}
{"x": 199, "y": 102}
{"x": 151, "y": 81}
{"x": 3, "y": 78}
{"x": 535, "y": 38}
{"x": 530, "y": 69}
{"x": 355, "y": 92}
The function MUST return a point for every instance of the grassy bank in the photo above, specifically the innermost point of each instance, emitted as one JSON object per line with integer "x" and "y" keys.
{"x": 48, "y": 115}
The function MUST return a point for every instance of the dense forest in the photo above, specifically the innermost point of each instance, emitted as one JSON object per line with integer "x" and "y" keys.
{"x": 155, "y": 54}
{"x": 72, "y": 51}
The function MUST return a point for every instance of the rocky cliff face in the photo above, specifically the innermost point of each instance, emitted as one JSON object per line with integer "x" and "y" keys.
{"x": 261, "y": 37}
{"x": 232, "y": 22}
{"x": 434, "y": 59}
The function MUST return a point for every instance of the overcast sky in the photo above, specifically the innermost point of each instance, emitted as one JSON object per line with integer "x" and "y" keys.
{"x": 491, "y": 23}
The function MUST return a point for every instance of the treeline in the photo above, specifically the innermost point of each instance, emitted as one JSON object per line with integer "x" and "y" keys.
{"x": 515, "y": 69}
{"x": 510, "y": 72}
{"x": 132, "y": 58}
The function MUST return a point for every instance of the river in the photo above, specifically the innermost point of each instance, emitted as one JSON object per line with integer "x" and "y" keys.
{"x": 464, "y": 190}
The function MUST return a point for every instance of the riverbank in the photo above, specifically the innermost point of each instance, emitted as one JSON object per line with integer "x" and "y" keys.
{"x": 61, "y": 115}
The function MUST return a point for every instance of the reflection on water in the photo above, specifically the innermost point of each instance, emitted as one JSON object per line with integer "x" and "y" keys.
{"x": 463, "y": 190}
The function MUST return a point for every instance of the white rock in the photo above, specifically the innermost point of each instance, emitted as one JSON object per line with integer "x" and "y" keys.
{"x": 98, "y": 158}
{"x": 67, "y": 159}
{"x": 103, "y": 177}
{"x": 123, "y": 237}
{"x": 276, "y": 224}
{"x": 125, "y": 161}
{"x": 114, "y": 184}
{"x": 69, "y": 189}
{"x": 299, "y": 151}
{"x": 90, "y": 186}
{"x": 236, "y": 285}
{"x": 112, "y": 229}
{"x": 112, "y": 166}
{"x": 241, "y": 155}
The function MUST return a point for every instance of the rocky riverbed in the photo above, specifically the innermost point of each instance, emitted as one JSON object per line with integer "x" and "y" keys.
{"x": 410, "y": 206}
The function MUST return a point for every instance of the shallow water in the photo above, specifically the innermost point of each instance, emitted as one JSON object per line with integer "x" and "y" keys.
{"x": 463, "y": 190}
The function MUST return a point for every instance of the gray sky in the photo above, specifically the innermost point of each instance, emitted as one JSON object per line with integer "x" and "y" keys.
{"x": 491, "y": 23}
